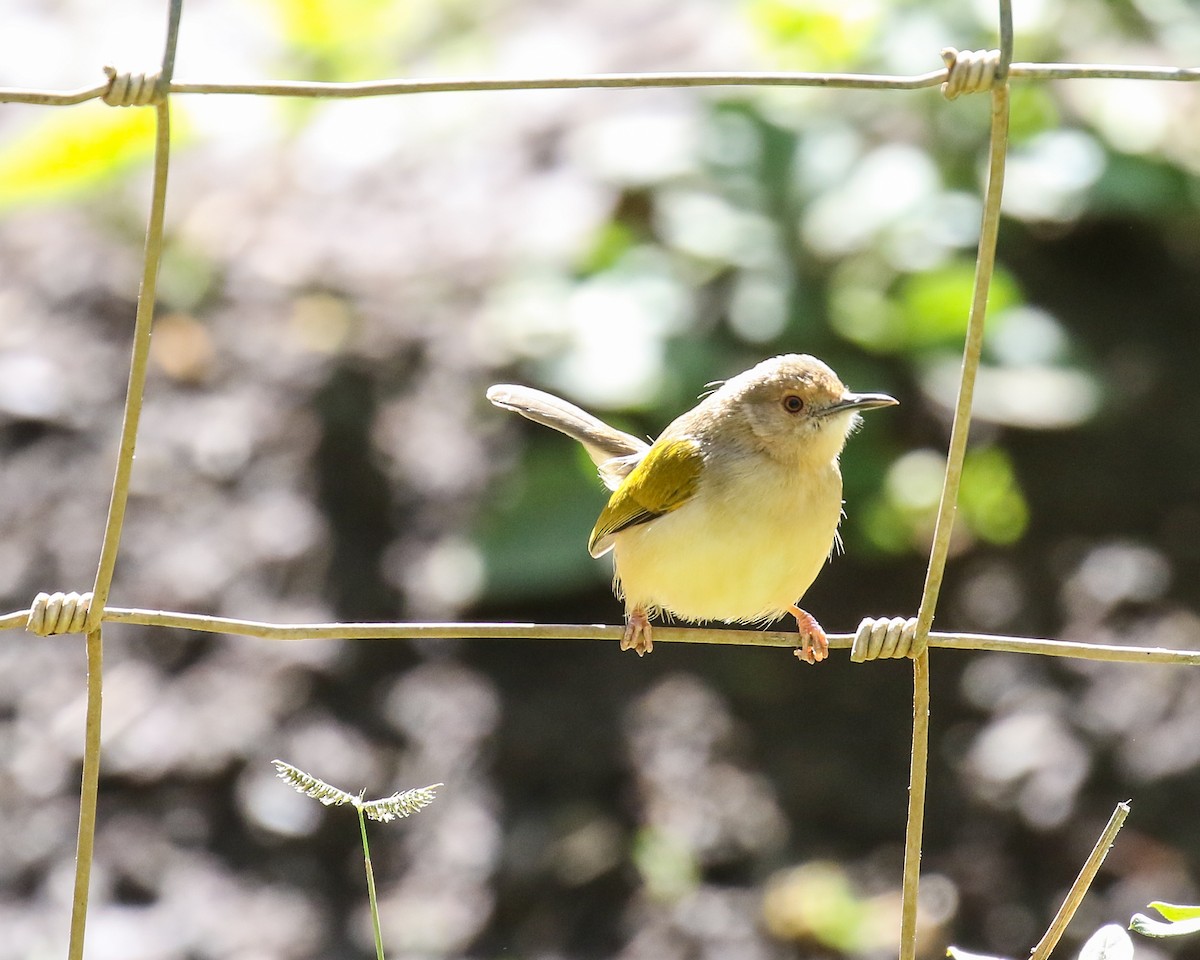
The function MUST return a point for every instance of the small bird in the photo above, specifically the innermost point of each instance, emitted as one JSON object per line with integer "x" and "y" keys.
{"x": 731, "y": 513}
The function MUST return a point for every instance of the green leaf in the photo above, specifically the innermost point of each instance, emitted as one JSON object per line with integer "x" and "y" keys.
{"x": 1176, "y": 911}
{"x": 1182, "y": 919}
{"x": 1149, "y": 927}
{"x": 956, "y": 953}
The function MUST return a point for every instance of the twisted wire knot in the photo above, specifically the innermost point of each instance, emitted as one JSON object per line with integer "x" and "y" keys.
{"x": 969, "y": 71}
{"x": 884, "y": 638}
{"x": 131, "y": 89}
{"x": 53, "y": 613}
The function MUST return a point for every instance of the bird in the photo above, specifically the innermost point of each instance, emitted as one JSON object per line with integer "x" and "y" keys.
{"x": 730, "y": 514}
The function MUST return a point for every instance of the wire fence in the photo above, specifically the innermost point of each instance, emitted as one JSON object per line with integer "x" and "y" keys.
{"x": 964, "y": 72}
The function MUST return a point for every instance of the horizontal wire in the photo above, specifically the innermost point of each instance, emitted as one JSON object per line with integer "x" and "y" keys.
{"x": 377, "y": 88}
{"x": 558, "y": 631}
{"x": 52, "y": 98}
{"x": 1099, "y": 71}
{"x": 371, "y": 88}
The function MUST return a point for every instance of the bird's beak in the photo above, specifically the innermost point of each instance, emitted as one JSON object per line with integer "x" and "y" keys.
{"x": 859, "y": 401}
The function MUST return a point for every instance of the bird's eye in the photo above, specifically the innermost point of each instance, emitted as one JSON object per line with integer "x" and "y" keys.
{"x": 793, "y": 403}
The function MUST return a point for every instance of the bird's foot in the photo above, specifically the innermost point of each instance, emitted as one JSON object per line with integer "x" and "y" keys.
{"x": 814, "y": 644}
{"x": 638, "y": 634}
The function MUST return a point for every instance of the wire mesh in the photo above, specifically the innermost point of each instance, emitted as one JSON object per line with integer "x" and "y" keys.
{"x": 985, "y": 71}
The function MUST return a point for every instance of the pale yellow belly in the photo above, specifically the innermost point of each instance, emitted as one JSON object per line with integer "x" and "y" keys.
{"x": 733, "y": 557}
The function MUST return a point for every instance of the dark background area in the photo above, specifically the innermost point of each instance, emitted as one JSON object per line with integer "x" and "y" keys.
{"x": 341, "y": 284}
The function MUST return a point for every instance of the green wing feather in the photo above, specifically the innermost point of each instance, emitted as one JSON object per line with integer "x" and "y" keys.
{"x": 666, "y": 478}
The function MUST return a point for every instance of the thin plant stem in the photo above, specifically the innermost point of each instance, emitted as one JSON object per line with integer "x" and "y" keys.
{"x": 88, "y": 793}
{"x": 1082, "y": 882}
{"x": 362, "y": 826}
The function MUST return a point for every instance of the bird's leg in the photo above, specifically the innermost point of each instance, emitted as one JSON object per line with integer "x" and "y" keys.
{"x": 815, "y": 646}
{"x": 638, "y": 635}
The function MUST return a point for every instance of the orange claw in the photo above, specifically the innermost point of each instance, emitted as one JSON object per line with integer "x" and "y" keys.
{"x": 815, "y": 645}
{"x": 638, "y": 634}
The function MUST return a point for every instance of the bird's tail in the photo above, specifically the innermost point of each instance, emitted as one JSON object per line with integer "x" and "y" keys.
{"x": 615, "y": 452}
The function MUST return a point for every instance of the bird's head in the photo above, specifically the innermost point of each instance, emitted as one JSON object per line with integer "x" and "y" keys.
{"x": 793, "y": 407}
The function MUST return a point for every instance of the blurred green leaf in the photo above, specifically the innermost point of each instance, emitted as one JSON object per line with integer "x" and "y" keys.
{"x": 369, "y": 39}
{"x": 186, "y": 277}
{"x": 935, "y": 304}
{"x": 68, "y": 151}
{"x": 865, "y": 315}
{"x": 884, "y": 526}
{"x": 819, "y": 901}
{"x": 990, "y": 497}
{"x": 666, "y": 864}
{"x": 1034, "y": 110}
{"x": 611, "y": 242}
{"x": 868, "y": 523}
{"x": 810, "y": 35}
{"x": 903, "y": 516}
{"x": 342, "y": 39}
{"x": 991, "y": 504}
{"x": 1141, "y": 186}
{"x": 924, "y": 310}
{"x": 534, "y": 537}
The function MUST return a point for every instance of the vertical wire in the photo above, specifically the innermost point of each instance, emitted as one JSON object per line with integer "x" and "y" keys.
{"x": 141, "y": 331}
{"x": 174, "y": 13}
{"x": 948, "y": 505}
{"x": 88, "y": 790}
{"x": 89, "y": 787}
{"x": 984, "y": 267}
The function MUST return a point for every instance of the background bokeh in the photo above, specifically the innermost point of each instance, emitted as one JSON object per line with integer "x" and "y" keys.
{"x": 341, "y": 283}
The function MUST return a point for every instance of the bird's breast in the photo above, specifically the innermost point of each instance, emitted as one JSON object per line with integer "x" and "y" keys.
{"x": 744, "y": 548}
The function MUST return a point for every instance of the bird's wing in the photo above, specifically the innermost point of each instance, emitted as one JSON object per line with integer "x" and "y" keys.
{"x": 664, "y": 480}
{"x": 613, "y": 472}
{"x": 602, "y": 442}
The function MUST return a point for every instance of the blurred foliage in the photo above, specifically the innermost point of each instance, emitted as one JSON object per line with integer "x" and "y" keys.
{"x": 785, "y": 221}
{"x": 336, "y": 40}
{"x": 69, "y": 152}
